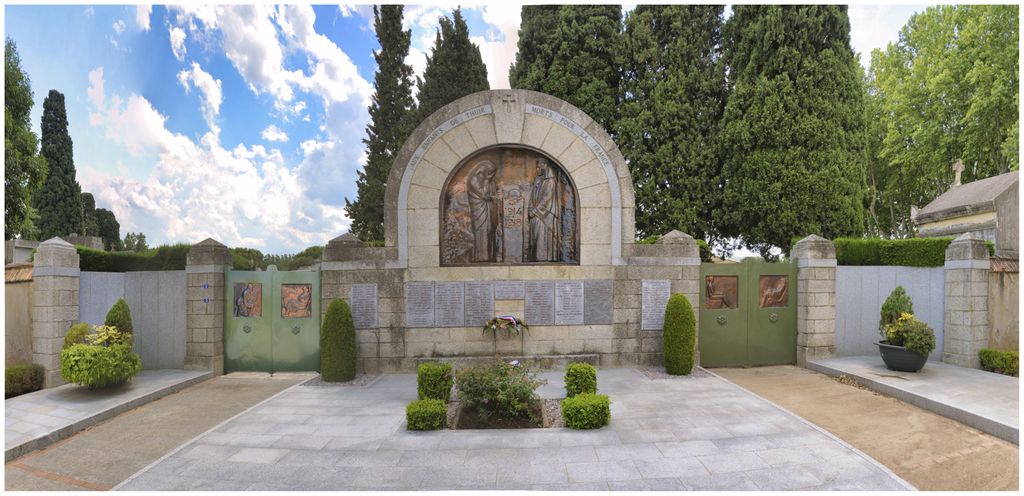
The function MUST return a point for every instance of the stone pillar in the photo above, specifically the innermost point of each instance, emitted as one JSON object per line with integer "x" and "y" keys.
{"x": 54, "y": 303}
{"x": 816, "y": 299}
{"x": 966, "y": 318}
{"x": 204, "y": 300}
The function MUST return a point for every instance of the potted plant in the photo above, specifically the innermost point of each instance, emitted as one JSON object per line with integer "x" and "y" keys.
{"x": 907, "y": 343}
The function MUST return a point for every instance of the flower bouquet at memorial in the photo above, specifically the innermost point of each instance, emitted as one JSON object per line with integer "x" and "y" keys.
{"x": 506, "y": 324}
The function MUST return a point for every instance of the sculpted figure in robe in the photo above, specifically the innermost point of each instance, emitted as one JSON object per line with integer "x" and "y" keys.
{"x": 484, "y": 208}
{"x": 544, "y": 210}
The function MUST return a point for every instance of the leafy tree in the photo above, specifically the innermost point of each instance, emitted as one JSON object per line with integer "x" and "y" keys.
{"x": 89, "y": 226}
{"x": 792, "y": 132}
{"x": 389, "y": 122}
{"x": 454, "y": 68}
{"x": 248, "y": 259}
{"x": 946, "y": 90}
{"x": 572, "y": 52}
{"x": 672, "y": 95}
{"x": 135, "y": 242}
{"x": 109, "y": 229}
{"x": 60, "y": 200}
{"x": 24, "y": 169}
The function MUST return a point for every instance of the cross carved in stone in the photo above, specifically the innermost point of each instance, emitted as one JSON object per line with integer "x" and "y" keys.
{"x": 508, "y": 99}
{"x": 958, "y": 168}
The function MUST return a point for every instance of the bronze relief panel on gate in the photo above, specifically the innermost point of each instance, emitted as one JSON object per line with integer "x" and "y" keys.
{"x": 509, "y": 206}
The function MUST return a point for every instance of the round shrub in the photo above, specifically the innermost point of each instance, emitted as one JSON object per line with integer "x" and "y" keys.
{"x": 338, "y": 344}
{"x": 1005, "y": 362}
{"x": 21, "y": 379}
{"x": 586, "y": 411}
{"x": 896, "y": 304}
{"x": 77, "y": 334}
{"x": 506, "y": 389}
{"x": 120, "y": 317}
{"x": 679, "y": 336}
{"x": 99, "y": 366}
{"x": 911, "y": 334}
{"x": 580, "y": 378}
{"x": 434, "y": 381}
{"x": 426, "y": 415}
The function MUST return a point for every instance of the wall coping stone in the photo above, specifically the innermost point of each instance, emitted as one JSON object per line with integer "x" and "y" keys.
{"x": 967, "y": 246}
{"x": 967, "y": 264}
{"x": 363, "y": 264}
{"x": 816, "y": 262}
{"x": 205, "y": 269}
{"x": 663, "y": 260}
{"x": 56, "y": 271}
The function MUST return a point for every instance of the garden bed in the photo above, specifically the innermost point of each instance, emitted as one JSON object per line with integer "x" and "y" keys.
{"x": 548, "y": 411}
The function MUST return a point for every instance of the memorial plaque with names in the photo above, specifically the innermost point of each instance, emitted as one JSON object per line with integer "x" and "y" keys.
{"x": 540, "y": 302}
{"x": 363, "y": 300}
{"x": 449, "y": 304}
{"x": 419, "y": 304}
{"x": 568, "y": 303}
{"x": 597, "y": 302}
{"x": 479, "y": 303}
{"x": 509, "y": 290}
{"x": 654, "y": 298}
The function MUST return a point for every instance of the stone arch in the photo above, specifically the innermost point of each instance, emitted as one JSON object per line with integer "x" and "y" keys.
{"x": 509, "y": 118}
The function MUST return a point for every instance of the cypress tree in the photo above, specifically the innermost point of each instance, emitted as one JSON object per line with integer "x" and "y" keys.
{"x": 389, "y": 122}
{"x": 60, "y": 200}
{"x": 109, "y": 229}
{"x": 89, "y": 226}
{"x": 573, "y": 55}
{"x": 24, "y": 169}
{"x": 672, "y": 96}
{"x": 454, "y": 68}
{"x": 793, "y": 129}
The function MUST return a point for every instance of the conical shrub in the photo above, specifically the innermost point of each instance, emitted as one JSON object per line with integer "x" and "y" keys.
{"x": 120, "y": 317}
{"x": 338, "y": 344}
{"x": 679, "y": 336}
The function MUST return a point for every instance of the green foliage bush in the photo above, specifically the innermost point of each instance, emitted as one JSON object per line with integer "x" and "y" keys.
{"x": 76, "y": 334}
{"x": 586, "y": 411}
{"x": 909, "y": 252}
{"x": 1005, "y": 362}
{"x": 426, "y": 415}
{"x": 167, "y": 257}
{"x": 434, "y": 381}
{"x": 120, "y": 316}
{"x": 580, "y": 378}
{"x": 21, "y": 379}
{"x": 896, "y": 304}
{"x": 503, "y": 388}
{"x": 679, "y": 336}
{"x": 338, "y": 344}
{"x": 910, "y": 333}
{"x": 98, "y": 366}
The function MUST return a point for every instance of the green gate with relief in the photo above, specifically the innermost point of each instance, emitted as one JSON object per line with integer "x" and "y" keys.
{"x": 272, "y": 321}
{"x": 747, "y": 314}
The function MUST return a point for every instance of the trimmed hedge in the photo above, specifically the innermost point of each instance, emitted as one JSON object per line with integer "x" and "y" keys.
{"x": 21, "y": 379}
{"x": 426, "y": 415}
{"x": 679, "y": 336}
{"x": 98, "y": 366}
{"x": 1006, "y": 362}
{"x": 434, "y": 381}
{"x": 167, "y": 257}
{"x": 338, "y": 344}
{"x": 580, "y": 378}
{"x": 586, "y": 411}
{"x": 120, "y": 317}
{"x": 909, "y": 252}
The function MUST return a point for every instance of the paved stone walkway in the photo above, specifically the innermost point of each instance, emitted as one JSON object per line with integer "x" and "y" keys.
{"x": 670, "y": 434}
{"x": 35, "y": 420}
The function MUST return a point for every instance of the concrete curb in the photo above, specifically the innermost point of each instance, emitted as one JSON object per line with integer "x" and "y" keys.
{"x": 982, "y": 423}
{"x": 67, "y": 431}
{"x": 814, "y": 426}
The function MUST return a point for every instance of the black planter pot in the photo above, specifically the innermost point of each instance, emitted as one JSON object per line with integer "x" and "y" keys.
{"x": 901, "y": 359}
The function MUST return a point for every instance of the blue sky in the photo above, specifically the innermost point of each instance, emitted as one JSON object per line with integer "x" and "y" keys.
{"x": 244, "y": 123}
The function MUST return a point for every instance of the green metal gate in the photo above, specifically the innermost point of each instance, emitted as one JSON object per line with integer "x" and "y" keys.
{"x": 272, "y": 323}
{"x": 747, "y": 314}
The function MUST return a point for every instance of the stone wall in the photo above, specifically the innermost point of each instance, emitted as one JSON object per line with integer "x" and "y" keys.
{"x": 1003, "y": 310}
{"x": 18, "y": 323}
{"x": 54, "y": 304}
{"x": 966, "y": 320}
{"x": 816, "y": 299}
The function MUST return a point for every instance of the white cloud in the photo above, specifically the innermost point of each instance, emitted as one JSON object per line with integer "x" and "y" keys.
{"x": 499, "y": 54}
{"x": 211, "y": 90}
{"x": 142, "y": 13}
{"x": 875, "y": 26}
{"x": 96, "y": 91}
{"x": 119, "y": 26}
{"x": 272, "y": 133}
{"x": 178, "y": 42}
{"x": 423, "y": 21}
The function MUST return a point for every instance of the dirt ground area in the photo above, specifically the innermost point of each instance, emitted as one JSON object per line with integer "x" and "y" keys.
{"x": 929, "y": 451}
{"x": 106, "y": 454}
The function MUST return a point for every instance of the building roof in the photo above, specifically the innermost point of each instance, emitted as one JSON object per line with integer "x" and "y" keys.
{"x": 967, "y": 199}
{"x": 18, "y": 272}
{"x": 1000, "y": 264}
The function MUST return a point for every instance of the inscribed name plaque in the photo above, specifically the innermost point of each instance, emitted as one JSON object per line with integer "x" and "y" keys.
{"x": 363, "y": 300}
{"x": 479, "y": 303}
{"x": 654, "y": 298}
{"x": 568, "y": 302}
{"x": 509, "y": 290}
{"x": 597, "y": 302}
{"x": 449, "y": 304}
{"x": 419, "y": 304}
{"x": 540, "y": 302}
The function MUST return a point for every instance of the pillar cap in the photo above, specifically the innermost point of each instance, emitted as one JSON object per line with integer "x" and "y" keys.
{"x": 814, "y": 247}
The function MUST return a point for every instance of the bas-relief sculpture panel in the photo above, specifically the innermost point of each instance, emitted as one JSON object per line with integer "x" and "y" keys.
{"x": 509, "y": 206}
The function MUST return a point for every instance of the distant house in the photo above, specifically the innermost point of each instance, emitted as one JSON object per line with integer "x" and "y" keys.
{"x": 987, "y": 206}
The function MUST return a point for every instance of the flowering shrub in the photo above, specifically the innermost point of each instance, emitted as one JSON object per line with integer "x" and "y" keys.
{"x": 99, "y": 357}
{"x": 911, "y": 334}
{"x": 503, "y": 388}
{"x": 506, "y": 324}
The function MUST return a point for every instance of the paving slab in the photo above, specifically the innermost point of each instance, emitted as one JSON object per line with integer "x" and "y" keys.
{"x": 654, "y": 442}
{"x": 984, "y": 400}
{"x": 35, "y": 420}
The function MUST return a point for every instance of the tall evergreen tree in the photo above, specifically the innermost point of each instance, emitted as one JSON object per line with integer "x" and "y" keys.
{"x": 24, "y": 169}
{"x": 60, "y": 200}
{"x": 793, "y": 129}
{"x": 672, "y": 94}
{"x": 390, "y": 122}
{"x": 454, "y": 68}
{"x": 572, "y": 52}
{"x": 109, "y": 229}
{"x": 89, "y": 227}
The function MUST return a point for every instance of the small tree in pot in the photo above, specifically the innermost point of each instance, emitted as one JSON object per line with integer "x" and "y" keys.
{"x": 907, "y": 341}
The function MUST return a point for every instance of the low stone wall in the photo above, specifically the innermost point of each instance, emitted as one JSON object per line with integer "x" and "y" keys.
{"x": 17, "y": 323}
{"x": 1004, "y": 310}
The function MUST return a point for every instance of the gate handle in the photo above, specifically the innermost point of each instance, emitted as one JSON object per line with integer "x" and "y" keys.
{"x": 773, "y": 317}
{"x": 295, "y": 330}
{"x": 721, "y": 319}
{"x": 246, "y": 329}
